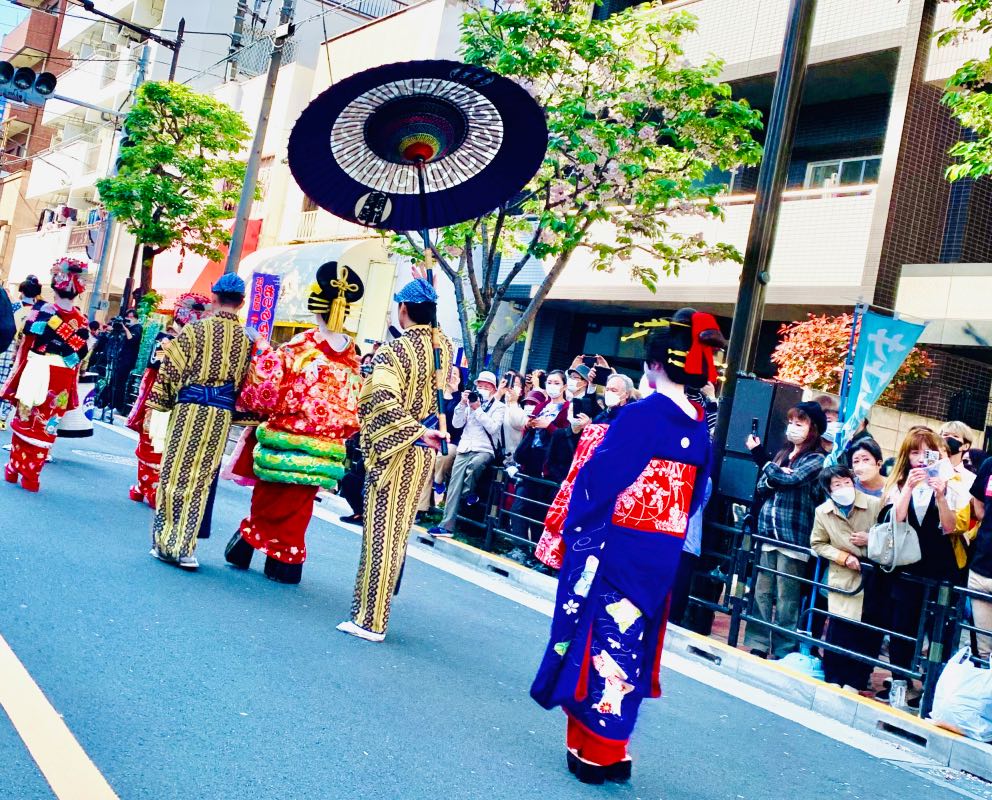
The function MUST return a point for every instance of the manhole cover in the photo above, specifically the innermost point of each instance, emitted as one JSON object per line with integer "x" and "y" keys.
{"x": 109, "y": 458}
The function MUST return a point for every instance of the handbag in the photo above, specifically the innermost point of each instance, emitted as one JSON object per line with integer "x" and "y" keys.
{"x": 893, "y": 544}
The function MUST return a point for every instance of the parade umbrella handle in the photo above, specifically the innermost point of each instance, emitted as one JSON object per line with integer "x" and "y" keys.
{"x": 440, "y": 379}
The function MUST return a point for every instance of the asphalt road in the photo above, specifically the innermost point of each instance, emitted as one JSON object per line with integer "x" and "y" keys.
{"x": 221, "y": 684}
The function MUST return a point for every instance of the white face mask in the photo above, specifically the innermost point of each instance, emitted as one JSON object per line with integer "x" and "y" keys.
{"x": 796, "y": 433}
{"x": 611, "y": 399}
{"x": 843, "y": 496}
{"x": 572, "y": 385}
{"x": 485, "y": 394}
{"x": 554, "y": 391}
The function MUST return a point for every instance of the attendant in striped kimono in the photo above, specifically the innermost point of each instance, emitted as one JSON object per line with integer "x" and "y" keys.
{"x": 198, "y": 381}
{"x": 397, "y": 411}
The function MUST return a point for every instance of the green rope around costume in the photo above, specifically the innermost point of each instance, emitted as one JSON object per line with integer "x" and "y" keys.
{"x": 300, "y": 443}
{"x": 294, "y": 466}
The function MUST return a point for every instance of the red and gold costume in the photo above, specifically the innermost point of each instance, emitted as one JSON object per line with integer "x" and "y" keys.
{"x": 307, "y": 393}
{"x": 42, "y": 386}
{"x": 150, "y": 425}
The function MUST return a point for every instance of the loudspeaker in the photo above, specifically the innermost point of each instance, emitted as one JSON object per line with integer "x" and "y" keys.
{"x": 768, "y": 402}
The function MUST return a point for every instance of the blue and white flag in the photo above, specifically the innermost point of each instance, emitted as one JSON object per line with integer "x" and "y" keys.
{"x": 883, "y": 344}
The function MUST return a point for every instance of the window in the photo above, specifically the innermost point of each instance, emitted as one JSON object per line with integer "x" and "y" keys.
{"x": 843, "y": 172}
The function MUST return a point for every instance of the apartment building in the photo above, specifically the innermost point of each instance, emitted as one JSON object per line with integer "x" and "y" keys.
{"x": 866, "y": 195}
{"x": 104, "y": 62}
{"x": 33, "y": 43}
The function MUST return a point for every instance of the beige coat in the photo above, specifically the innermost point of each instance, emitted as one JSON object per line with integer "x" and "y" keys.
{"x": 831, "y": 539}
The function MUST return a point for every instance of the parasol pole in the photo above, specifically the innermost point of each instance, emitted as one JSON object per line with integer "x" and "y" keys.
{"x": 440, "y": 376}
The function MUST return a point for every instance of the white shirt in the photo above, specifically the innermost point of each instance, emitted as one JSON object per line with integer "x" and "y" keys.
{"x": 481, "y": 427}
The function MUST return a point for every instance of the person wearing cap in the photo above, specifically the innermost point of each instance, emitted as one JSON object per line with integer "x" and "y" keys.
{"x": 43, "y": 383}
{"x": 397, "y": 411}
{"x": 198, "y": 383}
{"x": 788, "y": 493}
{"x": 480, "y": 416}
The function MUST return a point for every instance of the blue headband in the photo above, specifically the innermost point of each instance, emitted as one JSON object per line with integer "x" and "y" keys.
{"x": 229, "y": 283}
{"x": 416, "y": 291}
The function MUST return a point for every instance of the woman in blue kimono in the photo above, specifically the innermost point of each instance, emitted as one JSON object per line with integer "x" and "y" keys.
{"x": 624, "y": 533}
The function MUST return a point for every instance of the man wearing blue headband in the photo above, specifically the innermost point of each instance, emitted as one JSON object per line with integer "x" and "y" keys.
{"x": 397, "y": 411}
{"x": 201, "y": 372}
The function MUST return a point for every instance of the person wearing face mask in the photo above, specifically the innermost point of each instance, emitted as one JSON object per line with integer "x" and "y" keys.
{"x": 866, "y": 464}
{"x": 619, "y": 389}
{"x": 547, "y": 412}
{"x": 957, "y": 438}
{"x": 511, "y": 392}
{"x": 480, "y": 416}
{"x": 840, "y": 535}
{"x": 581, "y": 392}
{"x": 787, "y": 489}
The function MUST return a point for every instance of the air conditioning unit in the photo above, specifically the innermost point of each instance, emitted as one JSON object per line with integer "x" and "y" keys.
{"x": 111, "y": 33}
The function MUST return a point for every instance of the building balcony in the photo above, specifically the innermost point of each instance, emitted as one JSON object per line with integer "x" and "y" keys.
{"x": 748, "y": 35}
{"x": 71, "y": 166}
{"x": 319, "y": 226}
{"x": 952, "y": 298}
{"x": 819, "y": 258}
{"x": 29, "y": 43}
{"x": 76, "y": 26}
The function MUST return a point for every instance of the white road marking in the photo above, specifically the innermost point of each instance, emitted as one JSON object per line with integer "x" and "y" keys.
{"x": 61, "y": 759}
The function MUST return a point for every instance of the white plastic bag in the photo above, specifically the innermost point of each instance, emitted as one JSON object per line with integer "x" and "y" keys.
{"x": 962, "y": 701}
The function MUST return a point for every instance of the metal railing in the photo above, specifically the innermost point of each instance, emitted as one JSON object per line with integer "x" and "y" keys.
{"x": 515, "y": 514}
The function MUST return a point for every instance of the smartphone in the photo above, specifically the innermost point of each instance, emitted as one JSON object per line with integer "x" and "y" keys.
{"x": 589, "y": 361}
{"x": 931, "y": 459}
{"x": 576, "y": 407}
{"x": 754, "y": 426}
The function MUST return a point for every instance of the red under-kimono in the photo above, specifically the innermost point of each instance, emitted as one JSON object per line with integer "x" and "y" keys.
{"x": 307, "y": 392}
{"x": 149, "y": 460}
{"x": 43, "y": 387}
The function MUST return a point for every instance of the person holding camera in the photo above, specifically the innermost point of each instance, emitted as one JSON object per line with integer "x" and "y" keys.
{"x": 480, "y": 416}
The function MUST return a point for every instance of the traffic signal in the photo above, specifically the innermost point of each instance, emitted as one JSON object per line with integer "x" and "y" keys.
{"x": 126, "y": 142}
{"x": 24, "y": 85}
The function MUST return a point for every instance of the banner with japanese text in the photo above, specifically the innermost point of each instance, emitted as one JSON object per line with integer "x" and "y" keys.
{"x": 883, "y": 344}
{"x": 262, "y": 298}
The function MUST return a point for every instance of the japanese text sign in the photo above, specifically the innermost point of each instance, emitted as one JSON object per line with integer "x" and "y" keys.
{"x": 262, "y": 299}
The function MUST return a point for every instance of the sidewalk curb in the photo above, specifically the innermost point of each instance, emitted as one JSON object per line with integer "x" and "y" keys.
{"x": 923, "y": 738}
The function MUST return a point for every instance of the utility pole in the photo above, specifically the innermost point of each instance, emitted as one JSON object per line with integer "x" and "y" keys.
{"x": 97, "y": 294}
{"x": 282, "y": 35}
{"x": 236, "y": 37}
{"x": 176, "y": 45}
{"x": 748, "y": 313}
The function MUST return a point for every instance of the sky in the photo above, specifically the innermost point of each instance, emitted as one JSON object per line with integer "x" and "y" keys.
{"x": 10, "y": 15}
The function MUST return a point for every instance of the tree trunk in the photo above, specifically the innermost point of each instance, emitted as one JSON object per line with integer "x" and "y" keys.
{"x": 148, "y": 254}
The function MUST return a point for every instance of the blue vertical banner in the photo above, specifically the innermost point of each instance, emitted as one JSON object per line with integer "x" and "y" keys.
{"x": 883, "y": 344}
{"x": 262, "y": 299}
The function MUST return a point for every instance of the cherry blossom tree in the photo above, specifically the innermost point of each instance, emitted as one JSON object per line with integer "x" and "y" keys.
{"x": 635, "y": 131}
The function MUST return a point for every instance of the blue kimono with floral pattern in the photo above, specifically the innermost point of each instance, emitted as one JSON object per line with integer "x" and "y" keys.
{"x": 624, "y": 533}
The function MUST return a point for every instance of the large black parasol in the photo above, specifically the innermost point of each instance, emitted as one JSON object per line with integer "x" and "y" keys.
{"x": 417, "y": 145}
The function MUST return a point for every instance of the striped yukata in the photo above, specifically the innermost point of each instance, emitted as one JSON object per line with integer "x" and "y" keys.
{"x": 201, "y": 371}
{"x": 396, "y": 397}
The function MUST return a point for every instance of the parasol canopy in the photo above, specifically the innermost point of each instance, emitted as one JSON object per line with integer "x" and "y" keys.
{"x": 360, "y": 148}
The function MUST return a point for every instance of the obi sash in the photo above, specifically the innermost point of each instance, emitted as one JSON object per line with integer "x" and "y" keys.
{"x": 32, "y": 389}
{"x": 222, "y": 396}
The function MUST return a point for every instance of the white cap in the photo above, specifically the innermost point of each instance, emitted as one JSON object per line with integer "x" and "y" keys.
{"x": 487, "y": 377}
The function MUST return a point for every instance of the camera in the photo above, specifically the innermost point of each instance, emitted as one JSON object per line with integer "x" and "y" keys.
{"x": 473, "y": 396}
{"x": 117, "y": 324}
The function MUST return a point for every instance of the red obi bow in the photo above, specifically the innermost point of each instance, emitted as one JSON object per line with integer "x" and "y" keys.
{"x": 706, "y": 338}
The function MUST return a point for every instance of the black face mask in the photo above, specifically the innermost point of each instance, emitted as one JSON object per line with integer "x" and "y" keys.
{"x": 953, "y": 445}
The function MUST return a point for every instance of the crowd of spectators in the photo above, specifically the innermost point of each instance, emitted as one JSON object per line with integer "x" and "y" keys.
{"x": 804, "y": 509}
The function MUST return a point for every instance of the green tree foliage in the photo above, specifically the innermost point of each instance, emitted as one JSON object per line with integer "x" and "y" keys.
{"x": 969, "y": 92}
{"x": 634, "y": 131}
{"x": 176, "y": 172}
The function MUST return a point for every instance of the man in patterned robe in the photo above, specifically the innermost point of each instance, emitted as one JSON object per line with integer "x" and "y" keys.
{"x": 397, "y": 411}
{"x": 198, "y": 382}
{"x": 624, "y": 533}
